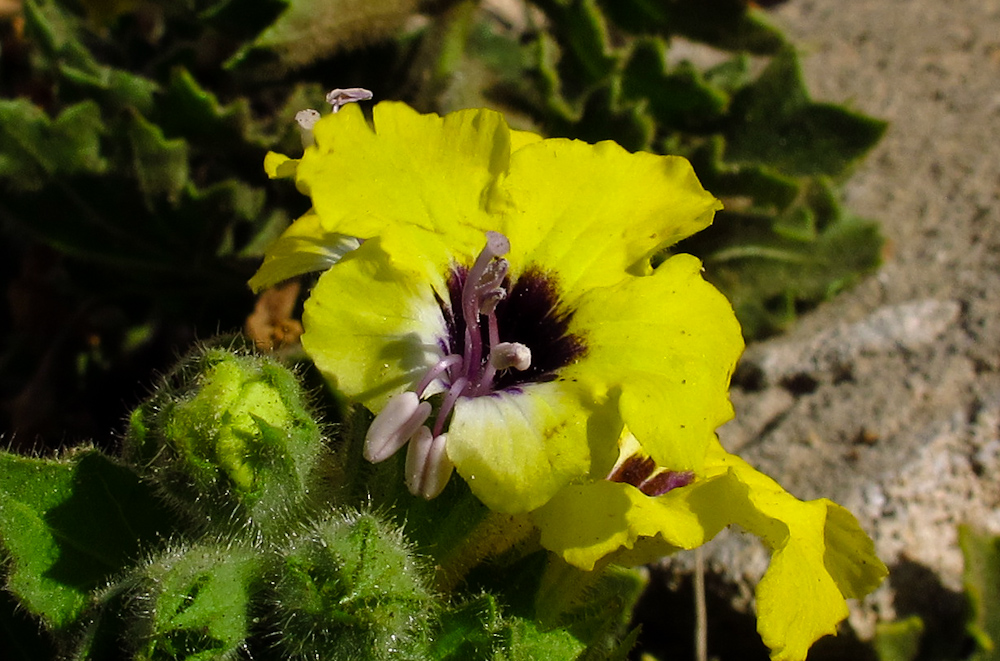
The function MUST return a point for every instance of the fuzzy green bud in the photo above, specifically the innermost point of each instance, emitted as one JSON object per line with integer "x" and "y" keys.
{"x": 194, "y": 603}
{"x": 227, "y": 437}
{"x": 351, "y": 590}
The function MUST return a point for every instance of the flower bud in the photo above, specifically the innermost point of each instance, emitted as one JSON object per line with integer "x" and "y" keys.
{"x": 227, "y": 437}
{"x": 194, "y": 603}
{"x": 351, "y": 589}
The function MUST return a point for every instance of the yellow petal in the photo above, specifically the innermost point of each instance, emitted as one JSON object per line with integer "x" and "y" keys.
{"x": 819, "y": 556}
{"x": 669, "y": 341}
{"x": 592, "y": 212}
{"x": 279, "y": 166}
{"x": 302, "y": 248}
{"x": 516, "y": 448}
{"x": 372, "y": 328}
{"x": 422, "y": 171}
{"x": 588, "y": 522}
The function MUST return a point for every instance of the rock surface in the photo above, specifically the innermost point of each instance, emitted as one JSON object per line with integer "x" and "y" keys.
{"x": 887, "y": 399}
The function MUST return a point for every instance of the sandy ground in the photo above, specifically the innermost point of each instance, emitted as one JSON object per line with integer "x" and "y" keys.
{"x": 887, "y": 399}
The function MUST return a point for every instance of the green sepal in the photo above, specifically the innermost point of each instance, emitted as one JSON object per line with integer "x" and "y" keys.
{"x": 67, "y": 525}
{"x": 774, "y": 122}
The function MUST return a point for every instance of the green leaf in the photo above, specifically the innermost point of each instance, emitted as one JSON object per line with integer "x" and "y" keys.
{"x": 34, "y": 149}
{"x": 309, "y": 30}
{"x": 726, "y": 24}
{"x": 982, "y": 585}
{"x": 187, "y": 109}
{"x": 731, "y": 75}
{"x": 59, "y": 36}
{"x": 476, "y": 629}
{"x": 678, "y": 99}
{"x": 774, "y": 122}
{"x": 595, "y": 607}
{"x": 604, "y": 116}
{"x": 351, "y": 588}
{"x": 899, "y": 640}
{"x": 67, "y": 525}
{"x": 468, "y": 631}
{"x": 771, "y": 266}
{"x": 588, "y": 57}
{"x": 160, "y": 165}
{"x": 748, "y": 188}
{"x": 526, "y": 641}
{"x": 242, "y": 19}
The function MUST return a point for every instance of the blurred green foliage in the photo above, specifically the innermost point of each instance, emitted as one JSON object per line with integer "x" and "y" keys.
{"x": 133, "y": 206}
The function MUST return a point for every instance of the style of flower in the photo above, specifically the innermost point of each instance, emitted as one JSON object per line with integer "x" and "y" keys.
{"x": 500, "y": 314}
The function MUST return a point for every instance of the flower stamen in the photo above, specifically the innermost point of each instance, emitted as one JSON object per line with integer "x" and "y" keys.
{"x": 402, "y": 416}
{"x": 483, "y": 280}
{"x": 306, "y": 119}
{"x": 428, "y": 467}
{"x": 338, "y": 98}
{"x": 457, "y": 390}
{"x": 446, "y": 364}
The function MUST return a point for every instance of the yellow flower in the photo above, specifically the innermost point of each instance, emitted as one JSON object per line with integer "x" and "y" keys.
{"x": 499, "y": 313}
{"x": 503, "y": 295}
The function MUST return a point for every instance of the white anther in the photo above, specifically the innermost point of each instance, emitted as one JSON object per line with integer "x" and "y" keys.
{"x": 490, "y": 300}
{"x": 394, "y": 425}
{"x": 497, "y": 244}
{"x": 510, "y": 354}
{"x": 428, "y": 467}
{"x": 306, "y": 120}
{"x": 339, "y": 98}
{"x": 494, "y": 273}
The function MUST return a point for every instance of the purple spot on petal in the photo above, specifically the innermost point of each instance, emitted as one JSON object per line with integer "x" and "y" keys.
{"x": 666, "y": 481}
{"x": 634, "y": 470}
{"x": 531, "y": 315}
